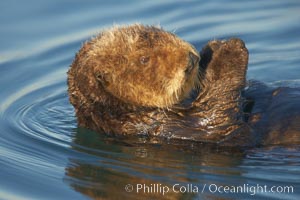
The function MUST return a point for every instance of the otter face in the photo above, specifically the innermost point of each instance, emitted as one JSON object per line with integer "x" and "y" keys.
{"x": 145, "y": 65}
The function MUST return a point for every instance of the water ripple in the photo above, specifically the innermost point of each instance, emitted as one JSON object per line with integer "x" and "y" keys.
{"x": 41, "y": 146}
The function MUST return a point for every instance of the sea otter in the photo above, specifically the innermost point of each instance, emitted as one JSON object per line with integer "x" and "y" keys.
{"x": 143, "y": 80}
{"x": 138, "y": 79}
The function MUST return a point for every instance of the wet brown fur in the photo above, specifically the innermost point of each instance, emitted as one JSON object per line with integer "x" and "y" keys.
{"x": 133, "y": 79}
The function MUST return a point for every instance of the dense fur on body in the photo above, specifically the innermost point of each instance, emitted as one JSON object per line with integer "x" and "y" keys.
{"x": 137, "y": 79}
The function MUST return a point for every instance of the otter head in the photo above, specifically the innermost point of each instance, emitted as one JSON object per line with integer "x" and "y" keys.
{"x": 144, "y": 65}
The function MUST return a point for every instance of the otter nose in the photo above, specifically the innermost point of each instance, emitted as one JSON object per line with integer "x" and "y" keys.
{"x": 193, "y": 58}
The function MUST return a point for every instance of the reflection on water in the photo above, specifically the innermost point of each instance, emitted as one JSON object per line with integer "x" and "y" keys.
{"x": 156, "y": 166}
{"x": 44, "y": 155}
{"x": 151, "y": 168}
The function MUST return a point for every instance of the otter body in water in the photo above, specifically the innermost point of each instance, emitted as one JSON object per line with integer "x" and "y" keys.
{"x": 143, "y": 80}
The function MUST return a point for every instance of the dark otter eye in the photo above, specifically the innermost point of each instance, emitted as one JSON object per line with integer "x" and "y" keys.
{"x": 144, "y": 60}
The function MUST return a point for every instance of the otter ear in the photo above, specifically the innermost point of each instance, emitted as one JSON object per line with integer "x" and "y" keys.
{"x": 103, "y": 78}
{"x": 225, "y": 62}
{"x": 104, "y": 75}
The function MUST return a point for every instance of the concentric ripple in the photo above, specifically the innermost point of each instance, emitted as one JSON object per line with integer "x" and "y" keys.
{"x": 36, "y": 125}
{"x": 43, "y": 113}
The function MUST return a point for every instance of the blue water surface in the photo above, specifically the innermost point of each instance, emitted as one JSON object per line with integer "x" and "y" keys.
{"x": 44, "y": 155}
